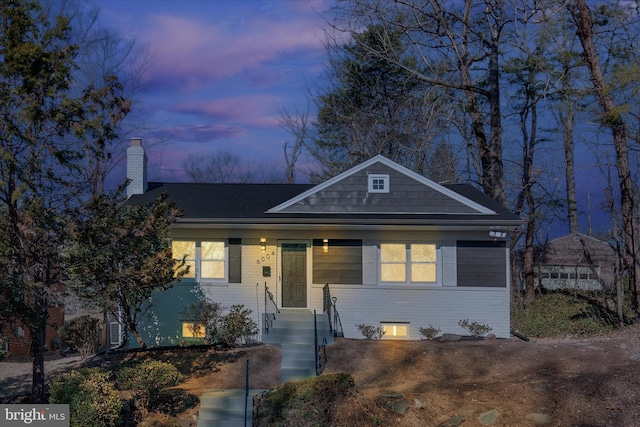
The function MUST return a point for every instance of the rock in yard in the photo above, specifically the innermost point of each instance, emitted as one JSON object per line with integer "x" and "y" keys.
{"x": 400, "y": 407}
{"x": 454, "y": 421}
{"x": 489, "y": 418}
{"x": 419, "y": 403}
{"x": 394, "y": 401}
{"x": 450, "y": 337}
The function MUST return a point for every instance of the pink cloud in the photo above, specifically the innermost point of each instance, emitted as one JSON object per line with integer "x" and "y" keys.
{"x": 194, "y": 50}
{"x": 256, "y": 110}
{"x": 196, "y": 133}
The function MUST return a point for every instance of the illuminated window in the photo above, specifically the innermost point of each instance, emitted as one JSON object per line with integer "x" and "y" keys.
{"x": 193, "y": 330}
{"x": 395, "y": 330}
{"x": 378, "y": 183}
{"x": 393, "y": 262}
{"x": 423, "y": 263}
{"x": 413, "y": 263}
{"x": 212, "y": 260}
{"x": 206, "y": 259}
{"x": 179, "y": 249}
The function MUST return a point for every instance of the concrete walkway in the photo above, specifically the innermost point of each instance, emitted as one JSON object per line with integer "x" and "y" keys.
{"x": 226, "y": 408}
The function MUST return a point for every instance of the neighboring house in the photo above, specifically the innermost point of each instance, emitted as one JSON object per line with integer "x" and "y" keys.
{"x": 18, "y": 337}
{"x": 575, "y": 261}
{"x": 397, "y": 250}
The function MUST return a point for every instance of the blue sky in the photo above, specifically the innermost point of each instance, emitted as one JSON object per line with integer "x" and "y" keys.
{"x": 220, "y": 72}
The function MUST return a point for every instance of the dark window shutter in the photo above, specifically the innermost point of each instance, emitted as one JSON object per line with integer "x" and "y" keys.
{"x": 341, "y": 263}
{"x": 481, "y": 263}
{"x": 235, "y": 261}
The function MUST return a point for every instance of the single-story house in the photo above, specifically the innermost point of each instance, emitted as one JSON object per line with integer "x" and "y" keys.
{"x": 574, "y": 261}
{"x": 392, "y": 248}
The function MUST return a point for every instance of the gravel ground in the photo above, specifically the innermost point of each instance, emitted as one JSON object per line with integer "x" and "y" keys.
{"x": 15, "y": 377}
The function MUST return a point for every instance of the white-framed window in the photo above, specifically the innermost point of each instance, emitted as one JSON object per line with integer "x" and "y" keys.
{"x": 187, "y": 249}
{"x": 212, "y": 260}
{"x": 415, "y": 263}
{"x": 397, "y": 331}
{"x": 378, "y": 183}
{"x": 206, "y": 259}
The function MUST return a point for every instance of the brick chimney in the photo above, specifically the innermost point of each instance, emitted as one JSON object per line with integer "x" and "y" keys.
{"x": 136, "y": 168}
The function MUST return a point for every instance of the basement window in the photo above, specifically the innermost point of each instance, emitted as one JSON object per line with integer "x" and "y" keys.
{"x": 395, "y": 331}
{"x": 192, "y": 330}
{"x": 378, "y": 183}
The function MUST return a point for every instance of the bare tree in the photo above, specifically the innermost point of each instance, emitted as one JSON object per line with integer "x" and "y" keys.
{"x": 112, "y": 68}
{"x": 298, "y": 126}
{"x": 220, "y": 167}
{"x": 614, "y": 120}
{"x": 223, "y": 167}
{"x": 458, "y": 45}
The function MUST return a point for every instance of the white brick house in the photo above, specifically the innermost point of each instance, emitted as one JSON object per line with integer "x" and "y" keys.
{"x": 397, "y": 250}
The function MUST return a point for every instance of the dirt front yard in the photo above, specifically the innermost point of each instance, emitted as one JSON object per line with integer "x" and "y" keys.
{"x": 567, "y": 382}
{"x": 570, "y": 382}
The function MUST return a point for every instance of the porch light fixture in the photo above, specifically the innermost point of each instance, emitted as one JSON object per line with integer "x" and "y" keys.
{"x": 263, "y": 244}
{"x": 497, "y": 234}
{"x": 325, "y": 245}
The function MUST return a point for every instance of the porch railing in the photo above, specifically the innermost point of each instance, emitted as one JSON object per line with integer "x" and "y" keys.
{"x": 329, "y": 308}
{"x": 270, "y": 310}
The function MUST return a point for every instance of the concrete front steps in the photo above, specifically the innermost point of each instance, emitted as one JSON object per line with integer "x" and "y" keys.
{"x": 225, "y": 408}
{"x": 292, "y": 330}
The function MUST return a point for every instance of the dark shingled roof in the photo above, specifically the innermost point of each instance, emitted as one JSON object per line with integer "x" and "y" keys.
{"x": 245, "y": 203}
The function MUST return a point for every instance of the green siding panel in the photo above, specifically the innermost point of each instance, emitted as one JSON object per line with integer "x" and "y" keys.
{"x": 163, "y": 326}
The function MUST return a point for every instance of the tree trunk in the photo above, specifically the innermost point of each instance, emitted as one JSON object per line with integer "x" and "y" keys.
{"x": 131, "y": 324}
{"x": 569, "y": 170}
{"x": 612, "y": 118}
{"x": 38, "y": 342}
{"x": 498, "y": 192}
{"x": 529, "y": 279}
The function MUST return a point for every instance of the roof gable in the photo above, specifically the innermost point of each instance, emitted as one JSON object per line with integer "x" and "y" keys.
{"x": 409, "y": 193}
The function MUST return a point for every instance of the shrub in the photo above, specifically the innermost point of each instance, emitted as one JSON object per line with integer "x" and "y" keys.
{"x": 91, "y": 396}
{"x": 81, "y": 333}
{"x": 146, "y": 378}
{"x": 370, "y": 332}
{"x": 305, "y": 402}
{"x": 429, "y": 332}
{"x": 237, "y": 325}
{"x": 475, "y": 329}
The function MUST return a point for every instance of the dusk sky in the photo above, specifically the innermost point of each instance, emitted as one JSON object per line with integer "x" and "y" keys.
{"x": 220, "y": 72}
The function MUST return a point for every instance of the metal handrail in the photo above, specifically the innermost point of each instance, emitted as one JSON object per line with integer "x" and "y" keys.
{"x": 326, "y": 304}
{"x": 269, "y": 296}
{"x": 329, "y": 308}
{"x": 270, "y": 311}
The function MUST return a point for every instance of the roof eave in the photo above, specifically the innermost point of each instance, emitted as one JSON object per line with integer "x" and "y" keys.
{"x": 352, "y": 223}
